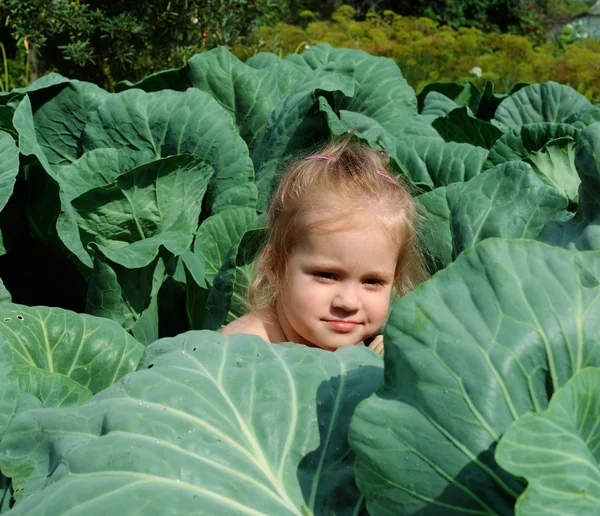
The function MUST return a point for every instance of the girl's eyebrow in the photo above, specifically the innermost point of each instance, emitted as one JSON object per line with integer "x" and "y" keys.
{"x": 323, "y": 265}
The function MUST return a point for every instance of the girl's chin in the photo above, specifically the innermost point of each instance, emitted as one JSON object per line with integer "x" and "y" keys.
{"x": 331, "y": 340}
{"x": 333, "y": 344}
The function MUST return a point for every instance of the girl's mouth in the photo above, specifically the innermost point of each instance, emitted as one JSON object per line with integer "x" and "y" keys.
{"x": 342, "y": 326}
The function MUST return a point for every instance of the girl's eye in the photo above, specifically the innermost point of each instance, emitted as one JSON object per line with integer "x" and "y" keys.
{"x": 374, "y": 282}
{"x": 324, "y": 275}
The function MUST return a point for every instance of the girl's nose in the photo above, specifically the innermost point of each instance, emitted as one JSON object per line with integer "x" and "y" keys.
{"x": 346, "y": 298}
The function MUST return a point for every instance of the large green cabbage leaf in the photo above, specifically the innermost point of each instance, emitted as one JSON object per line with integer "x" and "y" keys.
{"x": 419, "y": 153}
{"x": 214, "y": 275}
{"x": 555, "y": 165}
{"x": 4, "y": 293}
{"x": 167, "y": 123}
{"x": 51, "y": 357}
{"x": 451, "y": 94}
{"x": 435, "y": 234}
{"x": 486, "y": 340}
{"x": 9, "y": 167}
{"x": 459, "y": 126}
{"x": 508, "y": 201}
{"x": 137, "y": 225}
{"x": 207, "y": 425}
{"x": 583, "y": 232}
{"x": 437, "y": 105}
{"x": 56, "y": 107}
{"x": 249, "y": 94}
{"x": 346, "y": 80}
{"x": 557, "y": 451}
{"x": 548, "y": 147}
{"x": 226, "y": 300}
{"x": 537, "y": 103}
{"x": 90, "y": 351}
{"x": 297, "y": 124}
{"x": 128, "y": 296}
{"x": 519, "y": 142}
{"x": 157, "y": 204}
{"x": 382, "y": 93}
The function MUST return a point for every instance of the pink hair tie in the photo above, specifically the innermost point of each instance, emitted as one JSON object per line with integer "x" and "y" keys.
{"x": 387, "y": 176}
{"x": 321, "y": 156}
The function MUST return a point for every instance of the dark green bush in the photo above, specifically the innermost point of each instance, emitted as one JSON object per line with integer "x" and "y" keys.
{"x": 106, "y": 41}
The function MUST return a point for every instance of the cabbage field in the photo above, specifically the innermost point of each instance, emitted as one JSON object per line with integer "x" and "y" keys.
{"x": 128, "y": 224}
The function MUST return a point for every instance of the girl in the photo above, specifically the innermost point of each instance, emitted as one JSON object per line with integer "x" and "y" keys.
{"x": 340, "y": 242}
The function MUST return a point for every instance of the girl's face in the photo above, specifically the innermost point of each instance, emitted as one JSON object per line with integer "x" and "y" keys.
{"x": 338, "y": 287}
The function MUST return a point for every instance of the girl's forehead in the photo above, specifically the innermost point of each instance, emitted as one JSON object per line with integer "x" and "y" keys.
{"x": 326, "y": 222}
{"x": 340, "y": 230}
{"x": 376, "y": 222}
{"x": 349, "y": 248}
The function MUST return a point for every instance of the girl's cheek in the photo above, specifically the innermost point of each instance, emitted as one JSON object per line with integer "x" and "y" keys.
{"x": 314, "y": 294}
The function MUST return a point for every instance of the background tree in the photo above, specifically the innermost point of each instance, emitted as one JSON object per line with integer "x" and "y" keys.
{"x": 519, "y": 16}
{"x": 104, "y": 41}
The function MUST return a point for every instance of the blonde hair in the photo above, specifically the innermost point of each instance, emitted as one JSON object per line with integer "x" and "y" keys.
{"x": 341, "y": 177}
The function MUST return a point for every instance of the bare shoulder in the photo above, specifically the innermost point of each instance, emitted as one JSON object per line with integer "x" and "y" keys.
{"x": 249, "y": 323}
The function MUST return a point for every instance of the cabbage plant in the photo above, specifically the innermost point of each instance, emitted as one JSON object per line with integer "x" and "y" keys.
{"x": 128, "y": 226}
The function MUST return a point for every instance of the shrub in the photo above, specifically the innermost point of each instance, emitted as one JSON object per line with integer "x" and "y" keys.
{"x": 105, "y": 41}
{"x": 426, "y": 51}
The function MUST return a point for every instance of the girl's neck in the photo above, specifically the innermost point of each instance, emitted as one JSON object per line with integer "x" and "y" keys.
{"x": 273, "y": 329}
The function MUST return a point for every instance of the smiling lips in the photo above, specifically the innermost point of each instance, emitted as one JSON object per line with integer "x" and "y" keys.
{"x": 342, "y": 326}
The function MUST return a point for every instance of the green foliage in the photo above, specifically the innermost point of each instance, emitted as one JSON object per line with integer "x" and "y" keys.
{"x": 497, "y": 15}
{"x": 147, "y": 206}
{"x": 272, "y": 429}
{"x": 456, "y": 379}
{"x": 573, "y": 414}
{"x": 105, "y": 42}
{"x": 429, "y": 52}
{"x": 13, "y": 70}
{"x": 559, "y": 11}
{"x": 486, "y": 15}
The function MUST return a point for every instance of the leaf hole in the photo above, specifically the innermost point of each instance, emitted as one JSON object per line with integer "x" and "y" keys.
{"x": 6, "y": 319}
{"x": 20, "y": 317}
{"x": 150, "y": 366}
{"x": 194, "y": 349}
